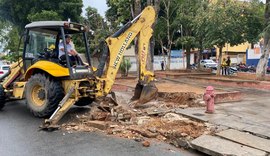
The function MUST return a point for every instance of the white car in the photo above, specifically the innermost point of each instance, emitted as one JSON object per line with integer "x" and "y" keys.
{"x": 207, "y": 63}
{"x": 4, "y": 70}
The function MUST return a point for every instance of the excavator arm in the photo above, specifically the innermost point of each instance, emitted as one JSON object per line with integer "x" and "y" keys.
{"x": 141, "y": 27}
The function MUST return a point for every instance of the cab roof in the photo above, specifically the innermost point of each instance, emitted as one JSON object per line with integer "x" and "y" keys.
{"x": 53, "y": 26}
{"x": 49, "y": 24}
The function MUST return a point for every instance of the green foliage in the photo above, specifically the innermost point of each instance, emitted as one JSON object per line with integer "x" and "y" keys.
{"x": 125, "y": 67}
{"x": 253, "y": 14}
{"x": 5, "y": 27}
{"x": 119, "y": 11}
{"x": 20, "y": 12}
{"x": 223, "y": 24}
{"x": 99, "y": 29}
{"x": 44, "y": 15}
{"x": 12, "y": 39}
{"x": 12, "y": 57}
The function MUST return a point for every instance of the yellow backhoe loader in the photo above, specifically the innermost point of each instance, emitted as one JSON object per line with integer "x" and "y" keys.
{"x": 51, "y": 86}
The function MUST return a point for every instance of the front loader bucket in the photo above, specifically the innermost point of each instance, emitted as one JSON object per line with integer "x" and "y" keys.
{"x": 145, "y": 93}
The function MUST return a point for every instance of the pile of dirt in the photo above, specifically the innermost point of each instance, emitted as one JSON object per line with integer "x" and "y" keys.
{"x": 188, "y": 99}
{"x": 157, "y": 120}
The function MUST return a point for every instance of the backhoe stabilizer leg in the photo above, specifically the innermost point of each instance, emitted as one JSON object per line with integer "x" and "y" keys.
{"x": 66, "y": 103}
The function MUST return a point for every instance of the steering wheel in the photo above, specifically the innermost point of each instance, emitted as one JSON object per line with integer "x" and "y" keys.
{"x": 47, "y": 50}
{"x": 46, "y": 54}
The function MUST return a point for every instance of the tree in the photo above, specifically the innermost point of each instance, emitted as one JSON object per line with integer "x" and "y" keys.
{"x": 119, "y": 12}
{"x": 160, "y": 35}
{"x": 167, "y": 23}
{"x": 185, "y": 16}
{"x": 98, "y": 28}
{"x": 20, "y": 12}
{"x": 262, "y": 65}
{"x": 125, "y": 67}
{"x": 253, "y": 21}
{"x": 223, "y": 25}
{"x": 44, "y": 15}
{"x": 5, "y": 27}
{"x": 12, "y": 40}
{"x": 199, "y": 28}
{"x": 122, "y": 11}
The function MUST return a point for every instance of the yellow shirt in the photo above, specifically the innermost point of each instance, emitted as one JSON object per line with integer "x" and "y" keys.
{"x": 224, "y": 63}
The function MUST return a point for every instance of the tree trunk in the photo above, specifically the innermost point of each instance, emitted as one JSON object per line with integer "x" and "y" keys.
{"x": 167, "y": 8}
{"x": 136, "y": 9}
{"x": 162, "y": 52}
{"x": 168, "y": 65}
{"x": 200, "y": 54}
{"x": 262, "y": 65}
{"x": 219, "y": 60}
{"x": 188, "y": 58}
{"x": 150, "y": 56}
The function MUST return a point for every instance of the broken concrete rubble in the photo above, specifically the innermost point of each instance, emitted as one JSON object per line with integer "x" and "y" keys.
{"x": 146, "y": 143}
{"x": 153, "y": 120}
{"x": 173, "y": 117}
{"x": 98, "y": 124}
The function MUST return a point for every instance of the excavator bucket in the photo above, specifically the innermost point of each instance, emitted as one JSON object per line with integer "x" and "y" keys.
{"x": 145, "y": 93}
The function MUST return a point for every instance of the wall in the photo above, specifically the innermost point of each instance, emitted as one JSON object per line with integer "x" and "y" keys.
{"x": 253, "y": 56}
{"x": 176, "y": 63}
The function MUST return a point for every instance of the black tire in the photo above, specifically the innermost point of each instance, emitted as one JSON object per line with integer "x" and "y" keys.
{"x": 43, "y": 94}
{"x": 2, "y": 97}
{"x": 84, "y": 101}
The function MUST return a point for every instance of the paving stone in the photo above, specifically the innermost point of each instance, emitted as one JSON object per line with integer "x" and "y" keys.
{"x": 199, "y": 114}
{"x": 193, "y": 113}
{"x": 258, "y": 130}
{"x": 246, "y": 139}
{"x": 98, "y": 124}
{"x": 230, "y": 121}
{"x": 213, "y": 145}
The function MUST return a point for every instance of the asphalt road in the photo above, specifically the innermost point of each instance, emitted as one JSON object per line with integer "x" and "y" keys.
{"x": 19, "y": 136}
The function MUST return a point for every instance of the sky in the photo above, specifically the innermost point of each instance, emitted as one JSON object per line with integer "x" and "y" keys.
{"x": 100, "y": 5}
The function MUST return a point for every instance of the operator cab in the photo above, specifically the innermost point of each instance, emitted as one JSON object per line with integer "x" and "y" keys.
{"x": 42, "y": 43}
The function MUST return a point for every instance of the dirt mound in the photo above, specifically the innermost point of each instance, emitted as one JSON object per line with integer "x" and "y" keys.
{"x": 179, "y": 98}
{"x": 177, "y": 128}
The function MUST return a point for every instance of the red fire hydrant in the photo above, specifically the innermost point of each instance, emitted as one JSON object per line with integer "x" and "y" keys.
{"x": 209, "y": 99}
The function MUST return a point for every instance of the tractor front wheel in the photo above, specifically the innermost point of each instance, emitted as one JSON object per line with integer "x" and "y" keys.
{"x": 43, "y": 94}
{"x": 2, "y": 97}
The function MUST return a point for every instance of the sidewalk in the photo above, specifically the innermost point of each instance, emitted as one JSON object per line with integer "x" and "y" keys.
{"x": 244, "y": 124}
{"x": 241, "y": 119}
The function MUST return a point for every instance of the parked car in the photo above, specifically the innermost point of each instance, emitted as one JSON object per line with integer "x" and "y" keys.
{"x": 268, "y": 70}
{"x": 207, "y": 63}
{"x": 4, "y": 70}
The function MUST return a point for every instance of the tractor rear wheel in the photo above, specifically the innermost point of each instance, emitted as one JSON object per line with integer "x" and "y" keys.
{"x": 2, "y": 97}
{"x": 43, "y": 94}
